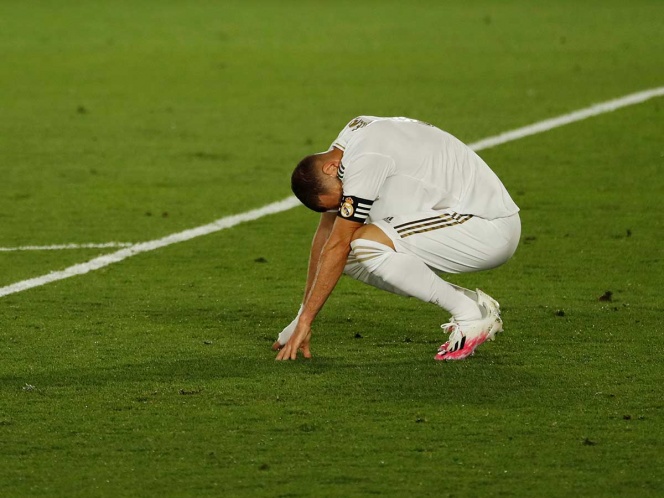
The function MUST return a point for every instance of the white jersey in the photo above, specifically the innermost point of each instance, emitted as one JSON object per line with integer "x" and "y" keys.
{"x": 397, "y": 166}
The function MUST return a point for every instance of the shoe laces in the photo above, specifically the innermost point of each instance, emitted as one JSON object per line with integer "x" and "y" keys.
{"x": 456, "y": 339}
{"x": 450, "y": 326}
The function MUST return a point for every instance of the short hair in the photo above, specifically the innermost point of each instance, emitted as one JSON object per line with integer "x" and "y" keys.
{"x": 307, "y": 182}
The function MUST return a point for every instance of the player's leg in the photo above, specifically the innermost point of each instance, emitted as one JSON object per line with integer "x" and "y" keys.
{"x": 453, "y": 243}
{"x": 375, "y": 261}
{"x": 447, "y": 242}
{"x": 356, "y": 270}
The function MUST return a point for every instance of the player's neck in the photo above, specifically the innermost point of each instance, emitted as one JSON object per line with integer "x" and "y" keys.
{"x": 335, "y": 153}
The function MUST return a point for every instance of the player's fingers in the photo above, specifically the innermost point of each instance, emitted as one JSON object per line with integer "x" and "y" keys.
{"x": 288, "y": 352}
{"x": 276, "y": 346}
{"x": 283, "y": 353}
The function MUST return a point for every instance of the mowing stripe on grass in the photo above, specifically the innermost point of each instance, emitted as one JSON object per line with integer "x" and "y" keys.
{"x": 291, "y": 202}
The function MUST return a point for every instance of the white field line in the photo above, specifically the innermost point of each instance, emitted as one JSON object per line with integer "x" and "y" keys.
{"x": 291, "y": 202}
{"x": 565, "y": 119}
{"x": 60, "y": 247}
{"x": 122, "y": 254}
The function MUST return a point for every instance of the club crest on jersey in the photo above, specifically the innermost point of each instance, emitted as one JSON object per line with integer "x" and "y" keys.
{"x": 347, "y": 209}
{"x": 357, "y": 123}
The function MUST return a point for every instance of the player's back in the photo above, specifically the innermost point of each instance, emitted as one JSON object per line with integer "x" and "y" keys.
{"x": 432, "y": 169}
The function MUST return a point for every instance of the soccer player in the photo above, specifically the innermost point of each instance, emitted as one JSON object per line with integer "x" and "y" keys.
{"x": 401, "y": 200}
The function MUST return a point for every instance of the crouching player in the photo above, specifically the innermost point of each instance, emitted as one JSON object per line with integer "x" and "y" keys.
{"x": 401, "y": 200}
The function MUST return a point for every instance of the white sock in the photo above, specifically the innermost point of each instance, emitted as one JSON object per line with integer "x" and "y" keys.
{"x": 409, "y": 276}
{"x": 359, "y": 271}
{"x": 467, "y": 292}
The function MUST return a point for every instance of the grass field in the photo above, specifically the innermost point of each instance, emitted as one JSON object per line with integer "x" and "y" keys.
{"x": 128, "y": 121}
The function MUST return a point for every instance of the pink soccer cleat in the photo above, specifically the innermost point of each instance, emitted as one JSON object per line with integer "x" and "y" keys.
{"x": 464, "y": 340}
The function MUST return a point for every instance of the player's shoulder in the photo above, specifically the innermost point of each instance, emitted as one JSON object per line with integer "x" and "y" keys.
{"x": 359, "y": 122}
{"x": 352, "y": 128}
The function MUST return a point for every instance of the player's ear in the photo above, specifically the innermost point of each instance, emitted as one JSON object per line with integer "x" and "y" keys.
{"x": 331, "y": 167}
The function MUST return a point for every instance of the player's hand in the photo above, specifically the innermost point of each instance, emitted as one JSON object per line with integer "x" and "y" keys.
{"x": 277, "y": 346}
{"x": 300, "y": 340}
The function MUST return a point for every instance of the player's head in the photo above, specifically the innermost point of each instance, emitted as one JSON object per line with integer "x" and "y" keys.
{"x": 314, "y": 182}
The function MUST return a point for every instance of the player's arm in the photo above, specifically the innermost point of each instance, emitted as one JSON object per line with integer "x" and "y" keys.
{"x": 320, "y": 237}
{"x": 330, "y": 267}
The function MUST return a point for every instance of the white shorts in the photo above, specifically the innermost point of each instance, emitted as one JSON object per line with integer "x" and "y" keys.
{"x": 454, "y": 243}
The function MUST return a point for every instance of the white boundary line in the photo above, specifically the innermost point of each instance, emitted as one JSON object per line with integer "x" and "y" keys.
{"x": 122, "y": 254}
{"x": 59, "y": 247}
{"x": 565, "y": 119}
{"x": 291, "y": 202}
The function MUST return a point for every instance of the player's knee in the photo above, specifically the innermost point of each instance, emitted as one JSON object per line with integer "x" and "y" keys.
{"x": 374, "y": 233}
{"x": 369, "y": 254}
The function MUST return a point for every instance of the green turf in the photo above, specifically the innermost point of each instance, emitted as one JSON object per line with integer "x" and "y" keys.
{"x": 128, "y": 121}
